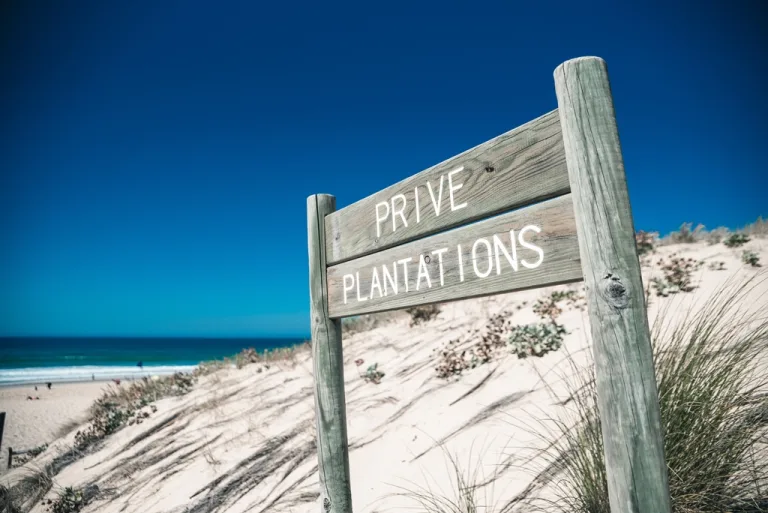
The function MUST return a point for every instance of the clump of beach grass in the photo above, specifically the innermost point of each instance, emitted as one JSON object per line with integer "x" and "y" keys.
{"x": 469, "y": 492}
{"x": 27, "y": 491}
{"x": 712, "y": 384}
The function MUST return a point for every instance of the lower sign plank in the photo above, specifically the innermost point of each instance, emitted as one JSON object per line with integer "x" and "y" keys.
{"x": 532, "y": 247}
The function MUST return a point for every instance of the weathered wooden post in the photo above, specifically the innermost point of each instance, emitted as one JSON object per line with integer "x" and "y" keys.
{"x": 330, "y": 404}
{"x": 626, "y": 385}
{"x": 2, "y": 426}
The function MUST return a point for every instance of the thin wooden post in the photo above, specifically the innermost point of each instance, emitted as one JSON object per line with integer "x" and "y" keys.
{"x": 2, "y": 426}
{"x": 330, "y": 404}
{"x": 626, "y": 384}
{"x": 10, "y": 457}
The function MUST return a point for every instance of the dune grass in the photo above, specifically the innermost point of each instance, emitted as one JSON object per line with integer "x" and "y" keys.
{"x": 712, "y": 380}
{"x": 469, "y": 487}
{"x": 711, "y": 367}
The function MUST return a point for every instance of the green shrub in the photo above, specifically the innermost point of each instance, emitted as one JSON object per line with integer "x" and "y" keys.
{"x": 678, "y": 276}
{"x": 549, "y": 309}
{"x": 736, "y": 240}
{"x": 536, "y": 339}
{"x": 69, "y": 501}
{"x": 751, "y": 258}
{"x": 72, "y": 500}
{"x": 373, "y": 374}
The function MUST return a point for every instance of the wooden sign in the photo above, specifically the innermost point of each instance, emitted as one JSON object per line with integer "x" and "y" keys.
{"x": 543, "y": 204}
{"x": 532, "y": 247}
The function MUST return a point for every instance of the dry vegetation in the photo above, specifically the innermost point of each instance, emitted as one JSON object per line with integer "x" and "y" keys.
{"x": 687, "y": 234}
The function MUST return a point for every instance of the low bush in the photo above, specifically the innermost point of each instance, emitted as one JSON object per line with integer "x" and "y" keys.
{"x": 373, "y": 374}
{"x": 536, "y": 339}
{"x": 120, "y": 406}
{"x": 423, "y": 314}
{"x": 548, "y": 308}
{"x": 451, "y": 361}
{"x": 716, "y": 266}
{"x": 500, "y": 334}
{"x": 685, "y": 235}
{"x": 72, "y": 500}
{"x": 645, "y": 242}
{"x": 736, "y": 240}
{"x": 751, "y": 258}
{"x": 678, "y": 276}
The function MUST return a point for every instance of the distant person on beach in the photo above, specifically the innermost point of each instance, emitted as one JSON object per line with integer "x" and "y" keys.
{"x": 49, "y": 385}
{"x": 140, "y": 365}
{"x": 35, "y": 388}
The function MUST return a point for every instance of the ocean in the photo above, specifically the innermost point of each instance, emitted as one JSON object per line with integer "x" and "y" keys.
{"x": 37, "y": 360}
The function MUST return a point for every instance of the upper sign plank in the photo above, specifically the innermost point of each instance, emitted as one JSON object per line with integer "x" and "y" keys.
{"x": 520, "y": 167}
{"x": 532, "y": 247}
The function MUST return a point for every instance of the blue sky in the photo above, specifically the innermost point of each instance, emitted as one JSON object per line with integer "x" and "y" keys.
{"x": 156, "y": 156}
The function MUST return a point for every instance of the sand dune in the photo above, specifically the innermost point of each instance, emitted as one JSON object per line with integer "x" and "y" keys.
{"x": 244, "y": 439}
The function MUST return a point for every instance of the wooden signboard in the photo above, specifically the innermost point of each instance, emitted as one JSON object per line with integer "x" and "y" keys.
{"x": 541, "y": 205}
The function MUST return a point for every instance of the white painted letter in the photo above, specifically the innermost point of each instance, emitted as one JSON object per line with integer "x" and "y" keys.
{"x": 498, "y": 246}
{"x": 405, "y": 261}
{"x": 439, "y": 253}
{"x": 351, "y": 285}
{"x": 395, "y": 212}
{"x": 357, "y": 277}
{"x": 461, "y": 262}
{"x": 380, "y": 219}
{"x": 375, "y": 282}
{"x": 451, "y": 188}
{"x": 385, "y": 275}
{"x": 423, "y": 271}
{"x": 490, "y": 258}
{"x": 416, "y": 197}
{"x": 436, "y": 205}
{"x": 531, "y": 246}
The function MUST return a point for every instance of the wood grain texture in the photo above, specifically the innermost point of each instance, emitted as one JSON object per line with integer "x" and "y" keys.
{"x": 330, "y": 403}
{"x": 528, "y": 165}
{"x": 557, "y": 240}
{"x": 626, "y": 385}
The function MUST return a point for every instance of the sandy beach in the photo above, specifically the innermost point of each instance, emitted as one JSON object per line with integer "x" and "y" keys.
{"x": 244, "y": 439}
{"x": 29, "y": 424}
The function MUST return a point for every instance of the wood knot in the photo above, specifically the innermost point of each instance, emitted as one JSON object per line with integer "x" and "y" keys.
{"x": 327, "y": 504}
{"x": 615, "y": 291}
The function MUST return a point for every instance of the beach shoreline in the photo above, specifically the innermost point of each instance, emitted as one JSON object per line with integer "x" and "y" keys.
{"x": 35, "y": 422}
{"x": 40, "y": 376}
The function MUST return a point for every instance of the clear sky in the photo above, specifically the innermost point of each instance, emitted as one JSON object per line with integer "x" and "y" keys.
{"x": 156, "y": 156}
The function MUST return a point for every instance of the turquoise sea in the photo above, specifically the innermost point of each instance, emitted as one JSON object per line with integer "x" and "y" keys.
{"x": 35, "y": 360}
